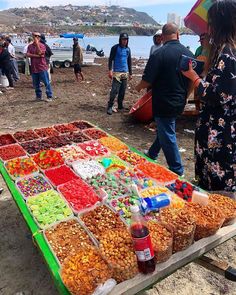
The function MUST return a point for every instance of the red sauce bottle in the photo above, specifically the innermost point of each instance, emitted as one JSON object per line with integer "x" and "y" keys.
{"x": 142, "y": 242}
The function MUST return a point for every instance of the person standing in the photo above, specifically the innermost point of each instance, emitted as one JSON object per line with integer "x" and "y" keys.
{"x": 203, "y": 49}
{"x": 215, "y": 135}
{"x": 39, "y": 68}
{"x": 157, "y": 40}
{"x": 13, "y": 61}
{"x": 5, "y": 64}
{"x": 120, "y": 69}
{"x": 77, "y": 60}
{"x": 27, "y": 59}
{"x": 169, "y": 93}
{"x": 48, "y": 54}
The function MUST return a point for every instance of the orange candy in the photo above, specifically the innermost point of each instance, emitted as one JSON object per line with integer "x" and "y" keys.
{"x": 157, "y": 172}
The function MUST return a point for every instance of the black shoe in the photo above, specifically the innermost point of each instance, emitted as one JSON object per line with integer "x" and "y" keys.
{"x": 109, "y": 111}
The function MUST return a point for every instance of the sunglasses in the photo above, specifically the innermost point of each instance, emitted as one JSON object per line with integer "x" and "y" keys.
{"x": 36, "y": 36}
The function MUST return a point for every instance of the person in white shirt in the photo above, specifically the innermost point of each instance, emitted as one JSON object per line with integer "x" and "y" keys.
{"x": 157, "y": 40}
{"x": 14, "y": 66}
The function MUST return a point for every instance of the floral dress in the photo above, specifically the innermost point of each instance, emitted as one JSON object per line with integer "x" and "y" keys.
{"x": 215, "y": 137}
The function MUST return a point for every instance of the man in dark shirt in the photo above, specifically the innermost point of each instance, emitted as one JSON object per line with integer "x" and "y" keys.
{"x": 169, "y": 93}
{"x": 5, "y": 64}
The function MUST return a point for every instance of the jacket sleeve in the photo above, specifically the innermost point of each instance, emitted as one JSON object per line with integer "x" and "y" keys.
{"x": 222, "y": 88}
{"x": 130, "y": 62}
{"x": 112, "y": 56}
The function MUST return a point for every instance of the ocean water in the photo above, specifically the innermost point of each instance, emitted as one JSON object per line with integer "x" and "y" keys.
{"x": 139, "y": 45}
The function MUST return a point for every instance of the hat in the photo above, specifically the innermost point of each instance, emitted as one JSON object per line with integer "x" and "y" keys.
{"x": 124, "y": 36}
{"x": 158, "y": 33}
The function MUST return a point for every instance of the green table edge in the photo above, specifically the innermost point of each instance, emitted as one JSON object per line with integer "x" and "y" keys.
{"x": 37, "y": 235}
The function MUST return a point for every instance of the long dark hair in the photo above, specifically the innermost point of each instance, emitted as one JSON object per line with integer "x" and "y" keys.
{"x": 222, "y": 27}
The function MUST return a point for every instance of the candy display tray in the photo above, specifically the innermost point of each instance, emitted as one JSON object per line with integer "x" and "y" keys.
{"x": 136, "y": 284}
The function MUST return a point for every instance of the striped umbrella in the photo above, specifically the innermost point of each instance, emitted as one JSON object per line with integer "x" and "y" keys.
{"x": 196, "y": 20}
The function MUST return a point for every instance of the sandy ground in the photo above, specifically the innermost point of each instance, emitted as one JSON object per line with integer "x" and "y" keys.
{"x": 22, "y": 270}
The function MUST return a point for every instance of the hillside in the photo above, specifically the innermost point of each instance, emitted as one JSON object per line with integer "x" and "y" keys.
{"x": 54, "y": 19}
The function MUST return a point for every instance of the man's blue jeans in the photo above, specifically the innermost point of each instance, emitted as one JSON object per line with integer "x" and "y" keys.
{"x": 37, "y": 78}
{"x": 166, "y": 140}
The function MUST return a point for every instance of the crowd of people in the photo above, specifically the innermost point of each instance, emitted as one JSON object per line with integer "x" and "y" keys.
{"x": 215, "y": 136}
{"x": 215, "y": 87}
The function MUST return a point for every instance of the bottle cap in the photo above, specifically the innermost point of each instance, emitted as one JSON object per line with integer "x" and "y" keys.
{"x": 134, "y": 208}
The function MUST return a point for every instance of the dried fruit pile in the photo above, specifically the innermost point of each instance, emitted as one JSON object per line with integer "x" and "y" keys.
{"x": 94, "y": 133}
{"x": 67, "y": 238}
{"x": 27, "y": 135}
{"x": 79, "y": 274}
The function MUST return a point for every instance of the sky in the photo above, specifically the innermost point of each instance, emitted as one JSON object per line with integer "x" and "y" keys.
{"x": 158, "y": 9}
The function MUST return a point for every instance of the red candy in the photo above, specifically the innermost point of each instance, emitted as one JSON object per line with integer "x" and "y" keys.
{"x": 48, "y": 158}
{"x": 94, "y": 133}
{"x": 27, "y": 135}
{"x": 11, "y": 151}
{"x": 183, "y": 189}
{"x": 60, "y": 175}
{"x": 6, "y": 139}
{"x": 79, "y": 194}
{"x": 46, "y": 132}
{"x": 65, "y": 128}
{"x": 82, "y": 125}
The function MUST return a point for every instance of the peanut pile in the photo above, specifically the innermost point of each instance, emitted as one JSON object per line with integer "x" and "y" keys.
{"x": 208, "y": 219}
{"x": 183, "y": 226}
{"x": 117, "y": 248}
{"x": 226, "y": 205}
{"x": 67, "y": 238}
{"x": 162, "y": 240}
{"x": 100, "y": 220}
{"x": 83, "y": 272}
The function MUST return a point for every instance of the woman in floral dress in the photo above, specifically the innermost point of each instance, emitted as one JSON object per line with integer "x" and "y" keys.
{"x": 215, "y": 137}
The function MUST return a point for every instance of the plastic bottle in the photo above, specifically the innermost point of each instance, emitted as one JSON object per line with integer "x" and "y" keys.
{"x": 142, "y": 242}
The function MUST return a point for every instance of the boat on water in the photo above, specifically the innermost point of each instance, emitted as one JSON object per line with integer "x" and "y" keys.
{"x": 63, "y": 51}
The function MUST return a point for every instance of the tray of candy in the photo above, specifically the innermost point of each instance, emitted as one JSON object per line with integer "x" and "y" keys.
{"x": 80, "y": 196}
{"x": 12, "y": 151}
{"x": 94, "y": 133}
{"x": 19, "y": 161}
{"x": 88, "y": 168}
{"x": 60, "y": 213}
{"x": 60, "y": 175}
{"x": 82, "y": 125}
{"x": 72, "y": 153}
{"x": 110, "y": 184}
{"x": 6, "y": 139}
{"x": 32, "y": 185}
{"x": 25, "y": 136}
{"x": 94, "y": 149}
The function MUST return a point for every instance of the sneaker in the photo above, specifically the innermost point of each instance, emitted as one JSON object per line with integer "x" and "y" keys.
{"x": 49, "y": 99}
{"x": 9, "y": 88}
{"x": 109, "y": 111}
{"x": 38, "y": 99}
{"x": 114, "y": 109}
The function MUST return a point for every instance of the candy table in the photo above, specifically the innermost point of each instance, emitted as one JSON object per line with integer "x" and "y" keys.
{"x": 139, "y": 282}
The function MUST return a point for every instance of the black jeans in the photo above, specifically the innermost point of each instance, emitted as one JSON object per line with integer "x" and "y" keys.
{"x": 117, "y": 88}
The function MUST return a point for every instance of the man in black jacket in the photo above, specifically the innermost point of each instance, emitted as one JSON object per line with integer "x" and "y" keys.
{"x": 5, "y": 64}
{"x": 169, "y": 93}
{"x": 120, "y": 69}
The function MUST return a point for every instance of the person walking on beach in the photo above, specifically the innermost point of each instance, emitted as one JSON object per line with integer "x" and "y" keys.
{"x": 215, "y": 135}
{"x": 157, "y": 40}
{"x": 169, "y": 93}
{"x": 13, "y": 61}
{"x": 39, "y": 68}
{"x": 77, "y": 60}
{"x": 5, "y": 64}
{"x": 120, "y": 69}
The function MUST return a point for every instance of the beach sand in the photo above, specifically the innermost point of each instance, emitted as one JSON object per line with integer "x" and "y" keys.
{"x": 22, "y": 269}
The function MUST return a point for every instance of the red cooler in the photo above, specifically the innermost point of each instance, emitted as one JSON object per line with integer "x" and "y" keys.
{"x": 142, "y": 109}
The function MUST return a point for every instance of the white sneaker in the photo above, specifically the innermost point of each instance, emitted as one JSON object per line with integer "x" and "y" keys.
{"x": 114, "y": 109}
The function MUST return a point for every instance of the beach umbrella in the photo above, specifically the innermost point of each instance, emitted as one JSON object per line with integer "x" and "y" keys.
{"x": 196, "y": 20}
